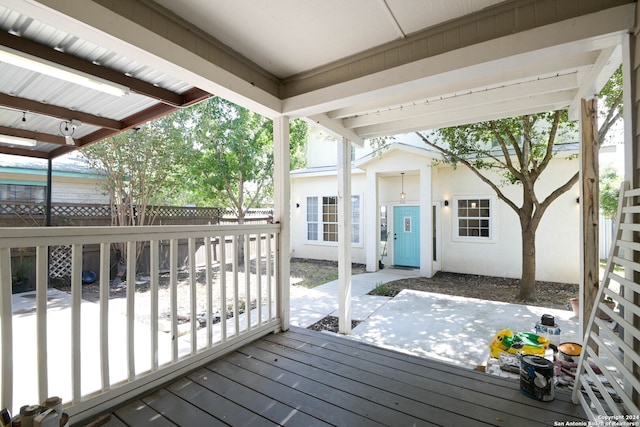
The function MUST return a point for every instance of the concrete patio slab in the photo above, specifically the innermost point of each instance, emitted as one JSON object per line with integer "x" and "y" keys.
{"x": 453, "y": 329}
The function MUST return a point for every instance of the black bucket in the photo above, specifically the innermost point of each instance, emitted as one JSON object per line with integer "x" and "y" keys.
{"x": 536, "y": 378}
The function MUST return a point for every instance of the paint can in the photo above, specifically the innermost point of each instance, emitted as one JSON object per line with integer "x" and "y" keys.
{"x": 536, "y": 378}
{"x": 569, "y": 351}
{"x": 550, "y": 332}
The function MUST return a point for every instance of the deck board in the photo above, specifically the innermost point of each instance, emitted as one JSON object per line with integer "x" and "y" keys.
{"x": 307, "y": 378}
{"x": 443, "y": 378}
{"x": 264, "y": 405}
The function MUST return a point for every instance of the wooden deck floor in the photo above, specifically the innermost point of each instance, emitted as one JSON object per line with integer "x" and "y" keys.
{"x": 306, "y": 378}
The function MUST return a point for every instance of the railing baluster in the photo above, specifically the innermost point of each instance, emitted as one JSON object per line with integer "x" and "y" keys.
{"x": 269, "y": 281}
{"x": 105, "y": 270}
{"x": 154, "y": 270}
{"x": 278, "y": 281}
{"x": 42, "y": 284}
{"x": 236, "y": 311}
{"x": 193, "y": 295}
{"x": 247, "y": 279}
{"x": 76, "y": 321}
{"x": 173, "y": 296}
{"x": 131, "y": 307}
{"x": 6, "y": 314}
{"x": 207, "y": 252}
{"x": 259, "y": 277}
{"x": 223, "y": 288}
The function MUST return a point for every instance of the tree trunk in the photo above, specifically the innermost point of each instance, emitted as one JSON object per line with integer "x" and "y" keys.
{"x": 240, "y": 240}
{"x": 528, "y": 280}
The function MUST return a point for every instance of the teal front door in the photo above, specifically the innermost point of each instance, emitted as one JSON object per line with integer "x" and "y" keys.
{"x": 406, "y": 236}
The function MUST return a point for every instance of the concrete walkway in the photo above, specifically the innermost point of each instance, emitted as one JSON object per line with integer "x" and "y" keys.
{"x": 449, "y": 328}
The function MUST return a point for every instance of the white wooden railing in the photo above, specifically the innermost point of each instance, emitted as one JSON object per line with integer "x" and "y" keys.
{"x": 97, "y": 354}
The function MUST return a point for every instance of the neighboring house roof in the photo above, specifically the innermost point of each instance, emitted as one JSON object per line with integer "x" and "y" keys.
{"x": 70, "y": 166}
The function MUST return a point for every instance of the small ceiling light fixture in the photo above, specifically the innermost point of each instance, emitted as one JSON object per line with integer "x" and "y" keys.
{"x": 52, "y": 69}
{"x": 67, "y": 129}
{"x": 403, "y": 196}
{"x": 23, "y": 122}
{"x": 16, "y": 140}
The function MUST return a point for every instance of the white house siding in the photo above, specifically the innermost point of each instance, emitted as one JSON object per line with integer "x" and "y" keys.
{"x": 64, "y": 189}
{"x": 72, "y": 179}
{"x": 78, "y": 191}
{"x": 324, "y": 185}
{"x": 557, "y": 239}
{"x": 323, "y": 150}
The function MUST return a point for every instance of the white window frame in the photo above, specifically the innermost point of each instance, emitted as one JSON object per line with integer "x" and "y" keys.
{"x": 491, "y": 219}
{"x": 356, "y": 230}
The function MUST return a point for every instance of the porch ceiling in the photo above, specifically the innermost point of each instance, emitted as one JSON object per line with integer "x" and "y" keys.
{"x": 360, "y": 69}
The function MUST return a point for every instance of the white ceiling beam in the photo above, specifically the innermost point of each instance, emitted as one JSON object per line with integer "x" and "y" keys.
{"x": 335, "y": 128}
{"x": 471, "y": 114}
{"x": 584, "y": 33}
{"x": 515, "y": 73}
{"x": 478, "y": 99}
{"x": 607, "y": 62}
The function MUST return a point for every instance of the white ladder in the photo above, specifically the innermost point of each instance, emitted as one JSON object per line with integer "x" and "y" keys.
{"x": 616, "y": 354}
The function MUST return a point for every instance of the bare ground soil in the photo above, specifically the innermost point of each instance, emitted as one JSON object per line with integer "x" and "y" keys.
{"x": 548, "y": 294}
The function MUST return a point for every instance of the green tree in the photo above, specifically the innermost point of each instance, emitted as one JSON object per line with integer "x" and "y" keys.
{"x": 519, "y": 150}
{"x": 609, "y": 191}
{"x": 610, "y": 105}
{"x": 611, "y": 113}
{"x": 233, "y": 163}
{"x": 140, "y": 166}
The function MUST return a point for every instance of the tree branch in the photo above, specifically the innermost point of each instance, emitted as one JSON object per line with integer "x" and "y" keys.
{"x": 486, "y": 180}
{"x": 613, "y": 115}
{"x": 505, "y": 150}
{"x": 550, "y": 143}
{"x": 542, "y": 207}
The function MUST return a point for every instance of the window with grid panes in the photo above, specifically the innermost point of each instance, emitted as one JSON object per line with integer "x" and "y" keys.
{"x": 322, "y": 219}
{"x": 474, "y": 218}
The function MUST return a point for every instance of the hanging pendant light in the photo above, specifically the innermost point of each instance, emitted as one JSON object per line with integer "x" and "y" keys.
{"x": 403, "y": 196}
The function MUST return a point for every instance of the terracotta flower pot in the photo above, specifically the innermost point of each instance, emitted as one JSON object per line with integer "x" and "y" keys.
{"x": 602, "y": 314}
{"x": 575, "y": 306}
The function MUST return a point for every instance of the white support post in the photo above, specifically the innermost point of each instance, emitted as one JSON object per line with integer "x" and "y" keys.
{"x": 344, "y": 236}
{"x": 282, "y": 215}
{"x": 42, "y": 284}
{"x": 426, "y": 221}
{"x": 6, "y": 330}
{"x": 76, "y": 322}
{"x": 131, "y": 307}
{"x": 371, "y": 218}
